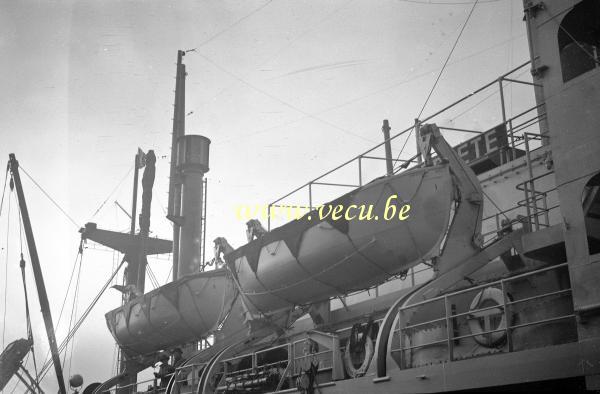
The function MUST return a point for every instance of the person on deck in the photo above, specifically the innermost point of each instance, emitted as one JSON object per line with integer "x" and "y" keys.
{"x": 178, "y": 361}
{"x": 164, "y": 371}
{"x": 177, "y": 357}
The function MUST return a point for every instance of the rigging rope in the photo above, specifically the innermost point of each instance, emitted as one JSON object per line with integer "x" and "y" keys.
{"x": 369, "y": 94}
{"x": 79, "y": 253}
{"x": 48, "y": 196}
{"x": 74, "y": 315}
{"x": 447, "y": 2}
{"x": 448, "y": 58}
{"x": 169, "y": 274}
{"x": 19, "y": 381}
{"x": 6, "y": 274}
{"x": 27, "y": 314}
{"x": 288, "y": 44}
{"x": 48, "y": 363}
{"x": 510, "y": 83}
{"x": 152, "y": 277}
{"x": 112, "y": 192}
{"x": 440, "y": 74}
{"x": 234, "y": 24}
{"x": 22, "y": 264}
{"x": 3, "y": 190}
{"x": 281, "y": 101}
{"x": 561, "y": 27}
{"x": 78, "y": 256}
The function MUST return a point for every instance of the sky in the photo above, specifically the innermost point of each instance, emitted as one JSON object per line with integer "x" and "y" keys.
{"x": 285, "y": 90}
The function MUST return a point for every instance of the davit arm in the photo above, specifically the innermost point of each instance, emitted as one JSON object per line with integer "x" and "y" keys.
{"x": 460, "y": 255}
{"x": 463, "y": 238}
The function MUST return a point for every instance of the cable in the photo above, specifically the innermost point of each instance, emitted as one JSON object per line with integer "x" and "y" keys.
{"x": 402, "y": 149}
{"x": 281, "y": 49}
{"x": 495, "y": 205}
{"x": 50, "y": 198}
{"x": 20, "y": 228}
{"x": 448, "y": 58}
{"x": 372, "y": 93}
{"x": 448, "y": 3}
{"x": 27, "y": 314}
{"x": 3, "y": 190}
{"x": 169, "y": 274}
{"x": 28, "y": 318}
{"x": 439, "y": 75}
{"x": 265, "y": 93}
{"x": 485, "y": 98}
{"x": 65, "y": 297}
{"x": 152, "y": 277}
{"x": 48, "y": 363}
{"x": 560, "y": 26}
{"x": 6, "y": 276}
{"x": 18, "y": 380}
{"x": 112, "y": 192}
{"x": 73, "y": 317}
{"x": 233, "y": 25}
{"x": 6, "y": 262}
{"x": 68, "y": 286}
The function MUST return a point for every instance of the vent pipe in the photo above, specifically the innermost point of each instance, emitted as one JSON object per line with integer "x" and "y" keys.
{"x": 388, "y": 147}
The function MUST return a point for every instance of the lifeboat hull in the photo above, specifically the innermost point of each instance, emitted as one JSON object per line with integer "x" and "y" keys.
{"x": 173, "y": 314}
{"x": 313, "y": 259}
{"x": 302, "y": 262}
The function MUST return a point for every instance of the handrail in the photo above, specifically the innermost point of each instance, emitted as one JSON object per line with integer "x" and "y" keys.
{"x": 448, "y": 317}
{"x": 365, "y": 155}
{"x": 155, "y": 379}
{"x": 521, "y": 184}
{"x": 484, "y": 285}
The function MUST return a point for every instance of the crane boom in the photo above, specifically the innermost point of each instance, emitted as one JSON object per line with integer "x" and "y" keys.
{"x": 37, "y": 272}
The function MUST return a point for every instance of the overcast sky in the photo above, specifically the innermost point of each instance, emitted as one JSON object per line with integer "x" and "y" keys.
{"x": 285, "y": 89}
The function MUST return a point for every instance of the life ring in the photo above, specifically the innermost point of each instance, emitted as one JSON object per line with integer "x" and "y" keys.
{"x": 352, "y": 371}
{"x": 483, "y": 299}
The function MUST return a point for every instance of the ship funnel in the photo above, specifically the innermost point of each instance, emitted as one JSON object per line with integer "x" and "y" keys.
{"x": 192, "y": 164}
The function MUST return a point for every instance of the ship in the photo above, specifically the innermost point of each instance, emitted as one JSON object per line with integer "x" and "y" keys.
{"x": 463, "y": 268}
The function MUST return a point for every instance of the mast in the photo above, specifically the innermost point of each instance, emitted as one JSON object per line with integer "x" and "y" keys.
{"x": 135, "y": 248}
{"x": 136, "y": 267}
{"x": 144, "y": 219}
{"x": 37, "y": 272}
{"x": 175, "y": 182}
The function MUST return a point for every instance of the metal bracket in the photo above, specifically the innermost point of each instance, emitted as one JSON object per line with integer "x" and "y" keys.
{"x": 424, "y": 143}
{"x": 583, "y": 313}
{"x": 332, "y": 342}
{"x": 532, "y": 9}
{"x": 538, "y": 72}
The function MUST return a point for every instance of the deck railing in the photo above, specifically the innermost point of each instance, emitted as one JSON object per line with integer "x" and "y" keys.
{"x": 289, "y": 368}
{"x": 448, "y": 318}
{"x": 517, "y": 127}
{"x": 187, "y": 378}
